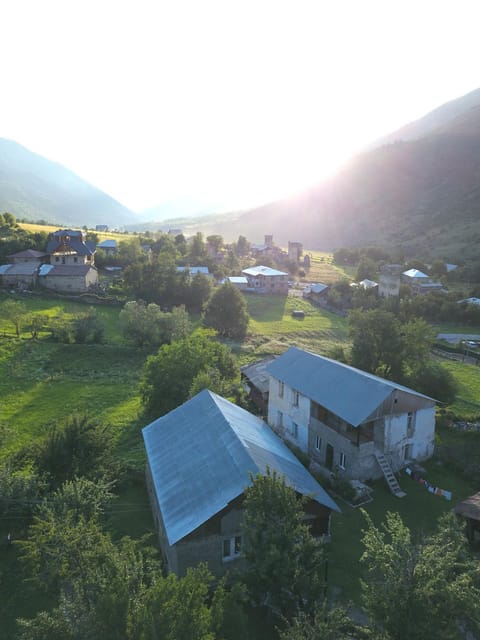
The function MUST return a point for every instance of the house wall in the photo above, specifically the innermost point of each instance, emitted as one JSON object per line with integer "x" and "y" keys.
{"x": 300, "y": 415}
{"x": 69, "y": 259}
{"x": 391, "y": 434}
{"x": 269, "y": 284}
{"x": 18, "y": 280}
{"x": 70, "y": 283}
{"x": 360, "y": 462}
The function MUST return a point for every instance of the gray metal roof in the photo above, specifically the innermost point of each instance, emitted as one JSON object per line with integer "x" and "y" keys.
{"x": 4, "y": 268}
{"x": 414, "y": 273}
{"x": 263, "y": 271}
{"x": 45, "y": 269}
{"x": 21, "y": 269}
{"x": 201, "y": 456}
{"x": 349, "y": 393}
{"x": 257, "y": 373}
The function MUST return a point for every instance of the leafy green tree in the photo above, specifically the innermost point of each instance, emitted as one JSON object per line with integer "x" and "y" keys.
{"x": 198, "y": 253}
{"x": 327, "y": 624}
{"x": 285, "y": 562}
{"x": 226, "y": 312}
{"x": 147, "y": 325}
{"x": 37, "y": 322}
{"x": 242, "y": 247}
{"x": 377, "y": 343}
{"x": 20, "y": 491}
{"x": 419, "y": 589}
{"x": 215, "y": 241}
{"x": 87, "y": 327}
{"x": 168, "y": 376}
{"x": 14, "y": 311}
{"x": 82, "y": 447}
{"x": 199, "y": 291}
{"x": 367, "y": 268}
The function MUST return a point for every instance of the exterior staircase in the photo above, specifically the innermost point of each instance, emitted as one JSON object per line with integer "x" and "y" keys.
{"x": 389, "y": 477}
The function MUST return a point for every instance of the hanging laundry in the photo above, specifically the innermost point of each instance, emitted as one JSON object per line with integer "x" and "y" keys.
{"x": 429, "y": 487}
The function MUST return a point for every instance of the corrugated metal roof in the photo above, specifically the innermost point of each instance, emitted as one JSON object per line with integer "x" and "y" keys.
{"x": 107, "y": 244}
{"x": 201, "y": 456}
{"x": 237, "y": 280}
{"x": 263, "y": 271}
{"x": 415, "y": 273}
{"x": 28, "y": 253}
{"x": 368, "y": 284}
{"x": 45, "y": 269}
{"x": 66, "y": 270}
{"x": 194, "y": 270}
{"x": 4, "y": 268}
{"x": 349, "y": 393}
{"x": 21, "y": 269}
{"x": 470, "y": 301}
{"x": 257, "y": 373}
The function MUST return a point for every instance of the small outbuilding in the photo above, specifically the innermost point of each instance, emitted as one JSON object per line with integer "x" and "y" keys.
{"x": 470, "y": 510}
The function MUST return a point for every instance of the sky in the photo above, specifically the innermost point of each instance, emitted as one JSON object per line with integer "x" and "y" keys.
{"x": 228, "y": 102}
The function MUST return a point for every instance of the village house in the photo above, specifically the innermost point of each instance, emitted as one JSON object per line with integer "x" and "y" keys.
{"x": 109, "y": 246}
{"x": 72, "y": 261}
{"x": 316, "y": 292}
{"x": 266, "y": 280}
{"x": 420, "y": 282}
{"x": 200, "y": 458}
{"x": 22, "y": 270}
{"x": 348, "y": 420}
{"x": 239, "y": 282}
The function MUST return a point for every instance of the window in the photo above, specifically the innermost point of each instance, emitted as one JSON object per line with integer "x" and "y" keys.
{"x": 232, "y": 548}
{"x": 75, "y": 259}
{"x": 410, "y": 423}
{"x": 57, "y": 259}
{"x": 294, "y": 429}
{"x": 318, "y": 443}
{"x": 281, "y": 389}
{"x": 279, "y": 419}
{"x": 63, "y": 259}
{"x": 343, "y": 461}
{"x": 296, "y": 397}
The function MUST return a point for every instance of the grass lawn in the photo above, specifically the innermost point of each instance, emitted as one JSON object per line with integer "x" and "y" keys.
{"x": 467, "y": 402}
{"x": 272, "y": 328}
{"x": 323, "y": 269}
{"x": 419, "y": 509}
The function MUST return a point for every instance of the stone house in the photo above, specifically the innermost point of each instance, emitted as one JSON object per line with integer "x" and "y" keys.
{"x": 29, "y": 255}
{"x": 266, "y": 280}
{"x": 200, "y": 458}
{"x": 420, "y": 282}
{"x": 21, "y": 275}
{"x": 345, "y": 419}
{"x": 72, "y": 263}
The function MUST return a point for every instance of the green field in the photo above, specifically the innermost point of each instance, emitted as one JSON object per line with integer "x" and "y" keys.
{"x": 323, "y": 269}
{"x": 42, "y": 382}
{"x": 272, "y": 328}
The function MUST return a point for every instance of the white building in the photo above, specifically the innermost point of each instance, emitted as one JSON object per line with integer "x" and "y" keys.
{"x": 344, "y": 418}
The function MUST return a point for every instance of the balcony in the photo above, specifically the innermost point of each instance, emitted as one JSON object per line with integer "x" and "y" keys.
{"x": 358, "y": 436}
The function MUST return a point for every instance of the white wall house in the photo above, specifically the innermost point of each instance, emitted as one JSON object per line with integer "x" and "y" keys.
{"x": 341, "y": 416}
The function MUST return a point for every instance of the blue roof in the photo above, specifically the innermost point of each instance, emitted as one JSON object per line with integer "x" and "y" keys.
{"x": 107, "y": 244}
{"x": 201, "y": 456}
{"x": 349, "y": 393}
{"x": 4, "y": 268}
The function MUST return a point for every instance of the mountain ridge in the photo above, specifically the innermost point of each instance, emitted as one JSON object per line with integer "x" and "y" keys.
{"x": 33, "y": 187}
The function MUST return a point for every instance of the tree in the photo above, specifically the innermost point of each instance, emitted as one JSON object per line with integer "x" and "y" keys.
{"x": 14, "y": 311}
{"x": 82, "y": 447}
{"x": 147, "y": 325}
{"x": 419, "y": 589}
{"x": 377, "y": 342}
{"x": 168, "y": 376}
{"x": 285, "y": 562}
{"x": 37, "y": 322}
{"x": 327, "y": 624}
{"x": 200, "y": 288}
{"x": 367, "y": 268}
{"x": 215, "y": 241}
{"x": 226, "y": 312}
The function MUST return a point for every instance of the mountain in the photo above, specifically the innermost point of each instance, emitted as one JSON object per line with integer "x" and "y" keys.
{"x": 36, "y": 188}
{"x": 421, "y": 194}
{"x": 433, "y": 120}
{"x": 180, "y": 208}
